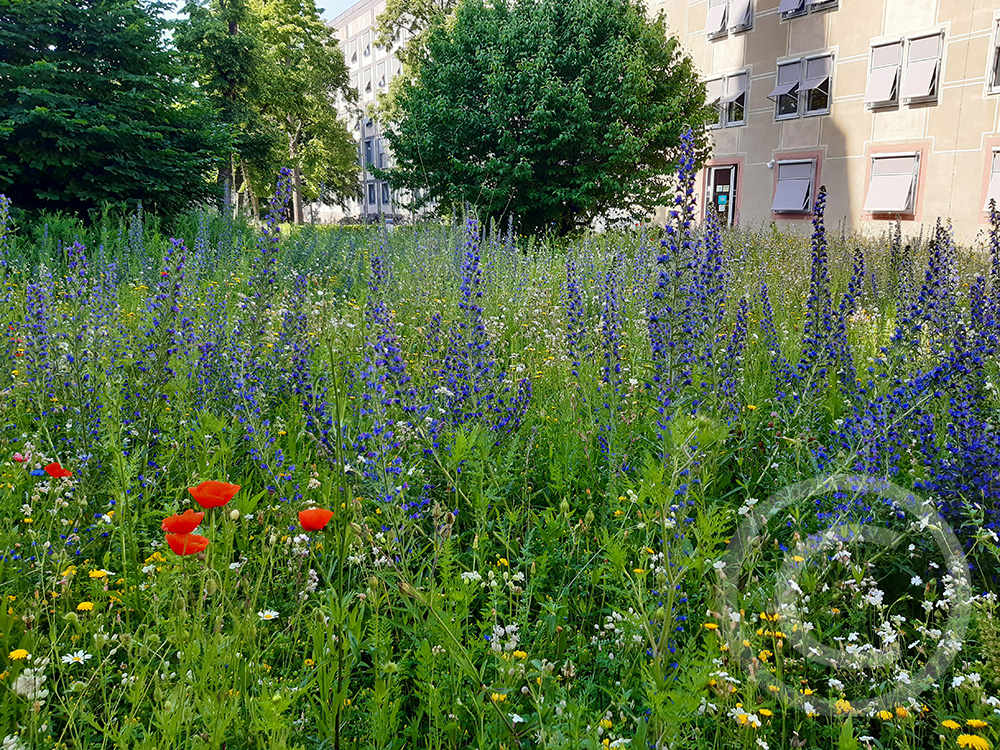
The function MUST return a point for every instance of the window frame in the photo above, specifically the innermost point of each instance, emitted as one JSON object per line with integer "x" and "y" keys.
{"x": 804, "y": 92}
{"x": 911, "y": 210}
{"x": 793, "y": 93}
{"x": 724, "y": 27}
{"x": 993, "y": 72}
{"x": 810, "y": 198}
{"x": 897, "y": 79}
{"x": 994, "y": 155}
{"x": 744, "y": 94}
{"x": 806, "y": 7}
{"x": 725, "y": 108}
{"x": 747, "y": 25}
{"x": 934, "y": 96}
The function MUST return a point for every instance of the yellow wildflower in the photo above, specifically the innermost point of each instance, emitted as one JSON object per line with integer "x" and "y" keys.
{"x": 18, "y": 654}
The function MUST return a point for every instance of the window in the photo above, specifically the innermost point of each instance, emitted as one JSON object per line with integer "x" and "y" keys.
{"x": 729, "y": 95}
{"x": 893, "y": 185}
{"x": 368, "y": 151}
{"x": 923, "y": 62}
{"x": 816, "y": 87}
{"x": 793, "y": 8}
{"x": 385, "y": 193}
{"x": 714, "y": 90}
{"x": 994, "y": 74}
{"x": 715, "y": 24}
{"x": 993, "y": 191}
{"x": 803, "y": 87}
{"x": 793, "y": 192}
{"x": 883, "y": 80}
{"x": 734, "y": 103}
{"x": 786, "y": 92}
{"x": 368, "y": 50}
{"x": 371, "y": 192}
{"x": 738, "y": 13}
{"x": 741, "y": 15}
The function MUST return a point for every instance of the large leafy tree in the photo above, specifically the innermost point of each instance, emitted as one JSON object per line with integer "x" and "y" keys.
{"x": 220, "y": 42}
{"x": 274, "y": 72}
{"x": 306, "y": 73}
{"x": 93, "y": 108}
{"x": 553, "y": 111}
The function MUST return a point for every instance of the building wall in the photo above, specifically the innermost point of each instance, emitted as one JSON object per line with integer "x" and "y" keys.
{"x": 948, "y": 137}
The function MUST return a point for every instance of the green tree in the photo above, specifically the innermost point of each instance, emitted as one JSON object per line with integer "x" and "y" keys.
{"x": 405, "y": 22}
{"x": 93, "y": 108}
{"x": 553, "y": 111}
{"x": 220, "y": 41}
{"x": 306, "y": 73}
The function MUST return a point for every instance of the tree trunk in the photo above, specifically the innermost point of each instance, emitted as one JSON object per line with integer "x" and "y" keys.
{"x": 293, "y": 148}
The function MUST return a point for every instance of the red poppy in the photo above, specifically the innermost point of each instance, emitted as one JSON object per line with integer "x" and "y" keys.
{"x": 213, "y": 494}
{"x": 314, "y": 519}
{"x": 57, "y": 471}
{"x": 187, "y": 544}
{"x": 182, "y": 524}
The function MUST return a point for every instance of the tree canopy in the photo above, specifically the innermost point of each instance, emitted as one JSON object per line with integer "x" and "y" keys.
{"x": 274, "y": 71}
{"x": 93, "y": 108}
{"x": 552, "y": 111}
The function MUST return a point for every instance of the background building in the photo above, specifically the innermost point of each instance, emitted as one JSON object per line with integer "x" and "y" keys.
{"x": 371, "y": 67}
{"x": 892, "y": 104}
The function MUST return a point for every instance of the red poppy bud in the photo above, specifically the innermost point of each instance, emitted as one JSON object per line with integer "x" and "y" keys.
{"x": 182, "y": 524}
{"x": 213, "y": 494}
{"x": 314, "y": 519}
{"x": 187, "y": 544}
{"x": 57, "y": 471}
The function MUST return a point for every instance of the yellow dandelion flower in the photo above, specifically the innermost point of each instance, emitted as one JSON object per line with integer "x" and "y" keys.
{"x": 901, "y": 712}
{"x": 949, "y": 724}
{"x": 766, "y": 712}
{"x": 85, "y": 606}
{"x": 973, "y": 741}
{"x": 711, "y": 626}
{"x": 976, "y": 724}
{"x": 17, "y": 654}
{"x": 98, "y": 573}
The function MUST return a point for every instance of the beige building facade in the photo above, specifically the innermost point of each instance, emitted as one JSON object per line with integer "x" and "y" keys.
{"x": 372, "y": 67}
{"x": 892, "y": 104}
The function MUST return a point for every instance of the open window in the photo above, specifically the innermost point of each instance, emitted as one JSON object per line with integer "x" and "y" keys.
{"x": 883, "y": 78}
{"x": 993, "y": 190}
{"x": 791, "y": 8}
{"x": 740, "y": 15}
{"x": 715, "y": 24}
{"x": 714, "y": 90}
{"x": 786, "y": 93}
{"x": 734, "y": 103}
{"x": 994, "y": 72}
{"x": 816, "y": 86}
{"x": 794, "y": 190}
{"x": 923, "y": 63}
{"x": 893, "y": 185}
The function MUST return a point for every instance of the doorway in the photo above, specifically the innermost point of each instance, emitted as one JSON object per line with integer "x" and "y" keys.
{"x": 722, "y": 192}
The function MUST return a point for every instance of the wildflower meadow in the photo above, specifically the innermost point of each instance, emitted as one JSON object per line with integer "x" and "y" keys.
{"x": 451, "y": 487}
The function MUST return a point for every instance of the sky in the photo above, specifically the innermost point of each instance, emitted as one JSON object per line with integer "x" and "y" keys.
{"x": 330, "y": 9}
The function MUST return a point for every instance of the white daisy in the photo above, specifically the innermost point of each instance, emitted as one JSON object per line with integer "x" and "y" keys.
{"x": 267, "y": 614}
{"x": 79, "y": 657}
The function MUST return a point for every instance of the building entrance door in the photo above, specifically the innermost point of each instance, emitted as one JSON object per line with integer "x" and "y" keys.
{"x": 722, "y": 192}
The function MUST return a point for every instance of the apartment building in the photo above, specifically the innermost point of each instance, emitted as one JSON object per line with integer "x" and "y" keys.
{"x": 372, "y": 67}
{"x": 892, "y": 104}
